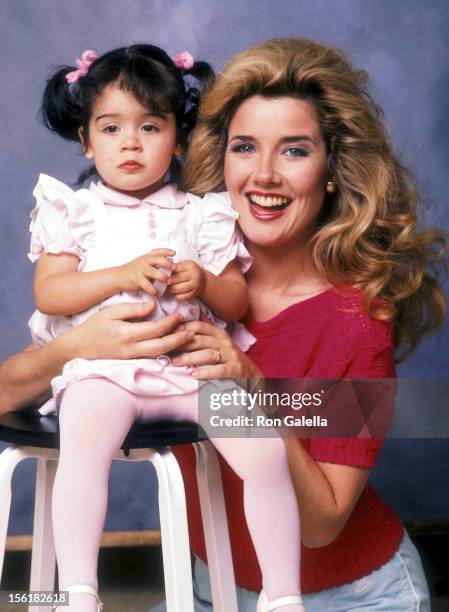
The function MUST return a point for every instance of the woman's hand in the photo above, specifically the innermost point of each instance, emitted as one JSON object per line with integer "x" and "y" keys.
{"x": 214, "y": 347}
{"x": 187, "y": 281}
{"x": 138, "y": 273}
{"x": 116, "y": 332}
{"x": 119, "y": 332}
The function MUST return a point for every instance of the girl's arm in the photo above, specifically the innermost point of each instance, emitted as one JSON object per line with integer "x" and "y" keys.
{"x": 226, "y": 294}
{"x": 109, "y": 334}
{"x": 60, "y": 289}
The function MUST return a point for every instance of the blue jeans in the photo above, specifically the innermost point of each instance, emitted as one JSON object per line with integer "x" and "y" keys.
{"x": 397, "y": 586}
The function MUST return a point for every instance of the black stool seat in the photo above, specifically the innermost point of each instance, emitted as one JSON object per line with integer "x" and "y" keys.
{"x": 29, "y": 428}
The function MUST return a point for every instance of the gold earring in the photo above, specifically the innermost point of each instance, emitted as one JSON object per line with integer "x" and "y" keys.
{"x": 331, "y": 187}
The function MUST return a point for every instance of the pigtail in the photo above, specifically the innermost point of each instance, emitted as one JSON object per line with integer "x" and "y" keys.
{"x": 61, "y": 108}
{"x": 203, "y": 72}
{"x": 196, "y": 77}
{"x": 197, "y": 80}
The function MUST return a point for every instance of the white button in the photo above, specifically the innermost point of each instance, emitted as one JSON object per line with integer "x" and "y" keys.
{"x": 152, "y": 224}
{"x": 153, "y": 235}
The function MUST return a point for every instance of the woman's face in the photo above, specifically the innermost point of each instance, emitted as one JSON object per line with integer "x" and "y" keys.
{"x": 275, "y": 170}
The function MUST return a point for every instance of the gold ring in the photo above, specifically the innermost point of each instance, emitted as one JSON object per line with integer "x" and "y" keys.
{"x": 219, "y": 357}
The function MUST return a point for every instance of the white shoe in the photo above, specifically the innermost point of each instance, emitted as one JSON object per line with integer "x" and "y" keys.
{"x": 263, "y": 605}
{"x": 84, "y": 588}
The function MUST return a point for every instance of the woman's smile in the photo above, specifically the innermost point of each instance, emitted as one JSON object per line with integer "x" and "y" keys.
{"x": 267, "y": 206}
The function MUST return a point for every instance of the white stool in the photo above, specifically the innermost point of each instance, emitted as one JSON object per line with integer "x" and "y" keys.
{"x": 172, "y": 510}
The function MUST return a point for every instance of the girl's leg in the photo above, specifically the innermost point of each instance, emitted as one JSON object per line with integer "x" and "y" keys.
{"x": 271, "y": 510}
{"x": 95, "y": 415}
{"x": 270, "y": 504}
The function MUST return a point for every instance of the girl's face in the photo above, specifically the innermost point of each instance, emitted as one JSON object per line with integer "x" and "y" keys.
{"x": 275, "y": 170}
{"x": 132, "y": 148}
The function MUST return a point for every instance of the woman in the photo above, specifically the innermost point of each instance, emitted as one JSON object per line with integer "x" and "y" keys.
{"x": 300, "y": 146}
{"x": 323, "y": 204}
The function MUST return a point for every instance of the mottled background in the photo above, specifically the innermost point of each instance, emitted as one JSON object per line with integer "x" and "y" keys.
{"x": 403, "y": 44}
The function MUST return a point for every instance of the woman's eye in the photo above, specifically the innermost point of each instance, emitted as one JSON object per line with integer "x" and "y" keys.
{"x": 149, "y": 127}
{"x": 296, "y": 152}
{"x": 243, "y": 148}
{"x": 110, "y": 129}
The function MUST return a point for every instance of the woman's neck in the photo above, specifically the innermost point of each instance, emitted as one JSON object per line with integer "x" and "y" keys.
{"x": 279, "y": 278}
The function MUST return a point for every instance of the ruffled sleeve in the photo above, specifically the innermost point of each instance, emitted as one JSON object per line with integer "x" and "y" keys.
{"x": 61, "y": 221}
{"x": 219, "y": 240}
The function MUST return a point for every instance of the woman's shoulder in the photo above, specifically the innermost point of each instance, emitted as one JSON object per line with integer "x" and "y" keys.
{"x": 363, "y": 344}
{"x": 336, "y": 315}
{"x": 367, "y": 342}
{"x": 350, "y": 309}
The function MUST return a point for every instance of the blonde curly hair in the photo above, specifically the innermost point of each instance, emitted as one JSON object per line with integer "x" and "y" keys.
{"x": 367, "y": 235}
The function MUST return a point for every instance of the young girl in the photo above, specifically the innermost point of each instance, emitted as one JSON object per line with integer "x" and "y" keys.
{"x": 136, "y": 237}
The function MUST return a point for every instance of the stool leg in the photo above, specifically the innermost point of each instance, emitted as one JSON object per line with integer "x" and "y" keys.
{"x": 43, "y": 558}
{"x": 9, "y": 459}
{"x": 215, "y": 525}
{"x": 174, "y": 533}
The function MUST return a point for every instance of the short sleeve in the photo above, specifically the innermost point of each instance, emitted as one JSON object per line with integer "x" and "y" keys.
{"x": 373, "y": 359}
{"x": 219, "y": 240}
{"x": 356, "y": 452}
{"x": 61, "y": 222}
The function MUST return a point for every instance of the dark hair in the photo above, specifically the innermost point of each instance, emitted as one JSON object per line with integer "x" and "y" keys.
{"x": 144, "y": 70}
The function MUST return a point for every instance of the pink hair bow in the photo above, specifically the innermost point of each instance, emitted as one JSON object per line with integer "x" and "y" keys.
{"x": 183, "y": 60}
{"x": 87, "y": 58}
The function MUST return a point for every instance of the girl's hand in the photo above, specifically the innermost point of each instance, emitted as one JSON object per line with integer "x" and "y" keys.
{"x": 188, "y": 281}
{"x": 214, "y": 347}
{"x": 136, "y": 274}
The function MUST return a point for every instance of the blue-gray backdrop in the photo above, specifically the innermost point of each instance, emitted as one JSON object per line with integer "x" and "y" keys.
{"x": 403, "y": 44}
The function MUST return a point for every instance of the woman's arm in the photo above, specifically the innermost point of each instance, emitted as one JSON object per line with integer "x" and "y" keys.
{"x": 226, "y": 294}
{"x": 25, "y": 377}
{"x": 326, "y": 493}
{"x": 60, "y": 289}
{"x": 116, "y": 332}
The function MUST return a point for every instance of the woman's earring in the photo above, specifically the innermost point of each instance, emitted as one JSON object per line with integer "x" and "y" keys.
{"x": 331, "y": 187}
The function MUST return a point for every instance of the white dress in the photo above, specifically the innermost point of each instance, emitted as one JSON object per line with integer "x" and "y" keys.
{"x": 105, "y": 228}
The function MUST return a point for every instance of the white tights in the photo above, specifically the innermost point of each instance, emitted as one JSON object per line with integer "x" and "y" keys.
{"x": 95, "y": 415}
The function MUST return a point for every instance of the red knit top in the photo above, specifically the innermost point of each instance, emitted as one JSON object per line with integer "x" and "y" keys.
{"x": 326, "y": 336}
